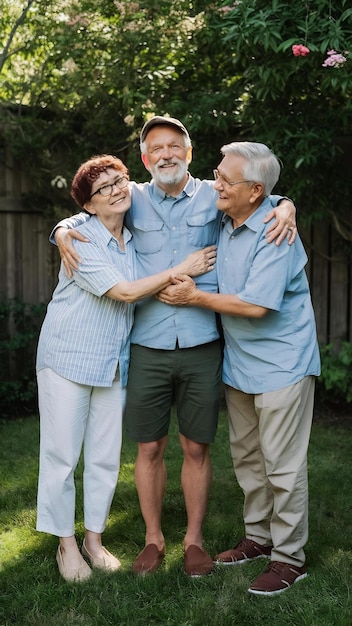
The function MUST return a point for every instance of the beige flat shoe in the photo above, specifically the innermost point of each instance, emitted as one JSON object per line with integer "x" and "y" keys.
{"x": 108, "y": 562}
{"x": 70, "y": 573}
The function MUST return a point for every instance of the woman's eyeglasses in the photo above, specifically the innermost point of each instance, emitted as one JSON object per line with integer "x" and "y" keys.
{"x": 107, "y": 190}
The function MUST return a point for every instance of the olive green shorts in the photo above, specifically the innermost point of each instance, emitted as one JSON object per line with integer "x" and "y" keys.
{"x": 188, "y": 377}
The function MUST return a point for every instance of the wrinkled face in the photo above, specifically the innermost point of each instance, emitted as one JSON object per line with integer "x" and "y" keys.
{"x": 110, "y": 195}
{"x": 167, "y": 158}
{"x": 238, "y": 197}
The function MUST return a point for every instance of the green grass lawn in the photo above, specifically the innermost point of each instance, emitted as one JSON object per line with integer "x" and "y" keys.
{"x": 32, "y": 592}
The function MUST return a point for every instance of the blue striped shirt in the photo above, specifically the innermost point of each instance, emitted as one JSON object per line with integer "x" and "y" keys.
{"x": 85, "y": 335}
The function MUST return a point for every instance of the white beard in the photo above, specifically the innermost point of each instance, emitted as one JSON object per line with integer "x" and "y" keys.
{"x": 163, "y": 177}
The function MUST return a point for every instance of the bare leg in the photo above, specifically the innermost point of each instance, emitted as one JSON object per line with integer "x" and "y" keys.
{"x": 196, "y": 480}
{"x": 96, "y": 553}
{"x": 94, "y": 544}
{"x": 150, "y": 476}
{"x": 70, "y": 553}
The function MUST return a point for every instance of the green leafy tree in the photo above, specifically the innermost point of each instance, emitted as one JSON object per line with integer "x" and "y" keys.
{"x": 82, "y": 76}
{"x": 291, "y": 97}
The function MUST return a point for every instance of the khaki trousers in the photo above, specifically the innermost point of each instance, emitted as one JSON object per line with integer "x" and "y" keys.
{"x": 269, "y": 436}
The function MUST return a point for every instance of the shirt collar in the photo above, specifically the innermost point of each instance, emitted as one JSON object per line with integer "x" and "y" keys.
{"x": 254, "y": 222}
{"x": 105, "y": 234}
{"x": 188, "y": 190}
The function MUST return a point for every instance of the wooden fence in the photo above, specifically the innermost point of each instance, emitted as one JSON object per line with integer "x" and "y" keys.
{"x": 329, "y": 272}
{"x": 28, "y": 262}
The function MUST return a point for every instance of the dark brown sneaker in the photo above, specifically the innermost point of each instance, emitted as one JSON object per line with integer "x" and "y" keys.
{"x": 277, "y": 577}
{"x": 246, "y": 550}
{"x": 197, "y": 562}
{"x": 148, "y": 560}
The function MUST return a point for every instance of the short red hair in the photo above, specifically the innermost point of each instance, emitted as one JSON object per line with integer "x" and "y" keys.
{"x": 89, "y": 171}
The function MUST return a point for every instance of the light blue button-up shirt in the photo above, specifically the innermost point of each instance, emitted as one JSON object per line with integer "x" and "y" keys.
{"x": 278, "y": 350}
{"x": 85, "y": 335}
{"x": 165, "y": 230}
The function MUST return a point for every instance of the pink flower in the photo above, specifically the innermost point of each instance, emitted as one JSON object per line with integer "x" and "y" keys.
{"x": 228, "y": 8}
{"x": 225, "y": 10}
{"x": 299, "y": 50}
{"x": 334, "y": 59}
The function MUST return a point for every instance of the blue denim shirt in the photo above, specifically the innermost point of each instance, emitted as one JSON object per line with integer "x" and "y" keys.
{"x": 278, "y": 350}
{"x": 165, "y": 230}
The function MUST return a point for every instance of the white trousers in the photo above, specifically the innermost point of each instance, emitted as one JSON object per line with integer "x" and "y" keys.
{"x": 71, "y": 416}
{"x": 269, "y": 437}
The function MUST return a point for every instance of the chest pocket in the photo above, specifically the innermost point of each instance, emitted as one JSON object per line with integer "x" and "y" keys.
{"x": 203, "y": 229}
{"x": 148, "y": 236}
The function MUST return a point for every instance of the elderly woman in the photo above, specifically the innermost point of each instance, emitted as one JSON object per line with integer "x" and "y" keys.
{"x": 82, "y": 363}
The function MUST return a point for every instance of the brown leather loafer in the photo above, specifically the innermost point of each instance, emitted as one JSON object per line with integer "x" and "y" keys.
{"x": 148, "y": 560}
{"x": 197, "y": 562}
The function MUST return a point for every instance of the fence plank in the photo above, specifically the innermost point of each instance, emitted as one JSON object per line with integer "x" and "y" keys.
{"x": 339, "y": 293}
{"x": 29, "y": 263}
{"x": 320, "y": 250}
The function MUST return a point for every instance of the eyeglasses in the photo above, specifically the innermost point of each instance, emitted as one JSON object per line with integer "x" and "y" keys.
{"x": 107, "y": 190}
{"x": 217, "y": 175}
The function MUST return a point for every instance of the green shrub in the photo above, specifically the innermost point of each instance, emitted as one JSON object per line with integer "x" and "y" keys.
{"x": 336, "y": 369}
{"x": 19, "y": 329}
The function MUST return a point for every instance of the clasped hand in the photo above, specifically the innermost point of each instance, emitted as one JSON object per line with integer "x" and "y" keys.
{"x": 181, "y": 292}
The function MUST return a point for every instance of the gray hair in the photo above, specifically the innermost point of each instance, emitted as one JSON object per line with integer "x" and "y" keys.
{"x": 262, "y": 165}
{"x": 186, "y": 139}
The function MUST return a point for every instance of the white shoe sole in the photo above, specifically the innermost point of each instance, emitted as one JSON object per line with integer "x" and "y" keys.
{"x": 274, "y": 593}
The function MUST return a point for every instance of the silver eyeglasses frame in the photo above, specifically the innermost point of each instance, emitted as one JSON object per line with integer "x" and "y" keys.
{"x": 217, "y": 175}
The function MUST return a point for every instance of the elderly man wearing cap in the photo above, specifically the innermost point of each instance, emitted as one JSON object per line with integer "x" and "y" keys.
{"x": 175, "y": 352}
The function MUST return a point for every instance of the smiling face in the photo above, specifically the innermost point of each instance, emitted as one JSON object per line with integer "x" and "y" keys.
{"x": 167, "y": 158}
{"x": 238, "y": 197}
{"x": 111, "y": 208}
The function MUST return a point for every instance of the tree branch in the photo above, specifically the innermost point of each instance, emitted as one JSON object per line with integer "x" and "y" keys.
{"x": 5, "y": 53}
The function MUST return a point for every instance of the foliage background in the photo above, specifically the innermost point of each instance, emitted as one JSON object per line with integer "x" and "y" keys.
{"x": 80, "y": 77}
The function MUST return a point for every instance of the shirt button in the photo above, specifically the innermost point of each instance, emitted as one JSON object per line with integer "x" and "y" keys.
{"x": 175, "y": 251}
{"x": 173, "y": 228}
